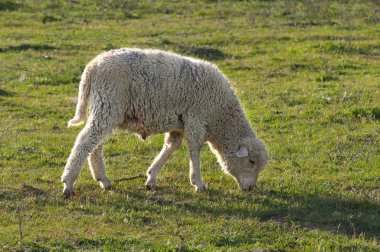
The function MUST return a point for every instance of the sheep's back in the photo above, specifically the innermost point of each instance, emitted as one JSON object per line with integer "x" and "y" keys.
{"x": 157, "y": 87}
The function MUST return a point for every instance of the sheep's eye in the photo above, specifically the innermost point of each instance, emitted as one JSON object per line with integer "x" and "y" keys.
{"x": 252, "y": 162}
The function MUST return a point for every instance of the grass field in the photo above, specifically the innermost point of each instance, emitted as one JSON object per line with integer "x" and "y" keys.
{"x": 307, "y": 73}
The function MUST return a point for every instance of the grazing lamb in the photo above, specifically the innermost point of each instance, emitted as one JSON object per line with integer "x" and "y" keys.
{"x": 149, "y": 92}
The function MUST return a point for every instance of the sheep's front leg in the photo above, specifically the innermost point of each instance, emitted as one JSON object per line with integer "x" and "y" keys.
{"x": 97, "y": 167}
{"x": 195, "y": 133}
{"x": 173, "y": 141}
{"x": 195, "y": 169}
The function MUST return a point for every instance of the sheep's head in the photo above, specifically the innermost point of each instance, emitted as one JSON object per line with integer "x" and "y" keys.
{"x": 247, "y": 162}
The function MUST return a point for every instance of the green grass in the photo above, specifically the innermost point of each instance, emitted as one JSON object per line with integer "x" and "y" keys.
{"x": 306, "y": 72}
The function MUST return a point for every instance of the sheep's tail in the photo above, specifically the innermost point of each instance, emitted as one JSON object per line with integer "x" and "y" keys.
{"x": 84, "y": 90}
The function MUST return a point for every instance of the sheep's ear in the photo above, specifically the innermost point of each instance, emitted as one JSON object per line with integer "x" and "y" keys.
{"x": 242, "y": 152}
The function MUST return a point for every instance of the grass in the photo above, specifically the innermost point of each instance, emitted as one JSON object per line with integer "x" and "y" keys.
{"x": 306, "y": 73}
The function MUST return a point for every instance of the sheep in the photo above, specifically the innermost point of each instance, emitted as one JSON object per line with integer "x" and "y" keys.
{"x": 150, "y": 92}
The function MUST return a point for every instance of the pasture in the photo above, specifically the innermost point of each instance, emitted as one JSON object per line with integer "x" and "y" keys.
{"x": 306, "y": 72}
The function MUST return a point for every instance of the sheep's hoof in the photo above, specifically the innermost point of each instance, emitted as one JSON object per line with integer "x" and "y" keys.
{"x": 108, "y": 188}
{"x": 150, "y": 187}
{"x": 151, "y": 183}
{"x": 201, "y": 188}
{"x": 105, "y": 184}
{"x": 68, "y": 194}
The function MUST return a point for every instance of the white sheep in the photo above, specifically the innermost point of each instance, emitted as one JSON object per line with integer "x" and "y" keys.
{"x": 150, "y": 92}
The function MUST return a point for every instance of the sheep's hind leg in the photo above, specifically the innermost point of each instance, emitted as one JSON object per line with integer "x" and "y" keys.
{"x": 86, "y": 141}
{"x": 97, "y": 167}
{"x": 173, "y": 141}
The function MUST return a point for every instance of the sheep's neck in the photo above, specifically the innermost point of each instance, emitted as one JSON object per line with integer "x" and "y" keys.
{"x": 229, "y": 129}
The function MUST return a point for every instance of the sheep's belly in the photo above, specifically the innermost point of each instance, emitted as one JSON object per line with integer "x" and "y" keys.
{"x": 143, "y": 128}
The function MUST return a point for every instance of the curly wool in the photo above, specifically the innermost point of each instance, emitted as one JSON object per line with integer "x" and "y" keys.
{"x": 151, "y": 91}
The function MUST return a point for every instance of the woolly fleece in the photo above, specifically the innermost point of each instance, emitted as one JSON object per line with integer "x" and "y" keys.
{"x": 151, "y": 91}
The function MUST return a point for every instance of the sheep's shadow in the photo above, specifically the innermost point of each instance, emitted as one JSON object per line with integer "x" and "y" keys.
{"x": 335, "y": 214}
